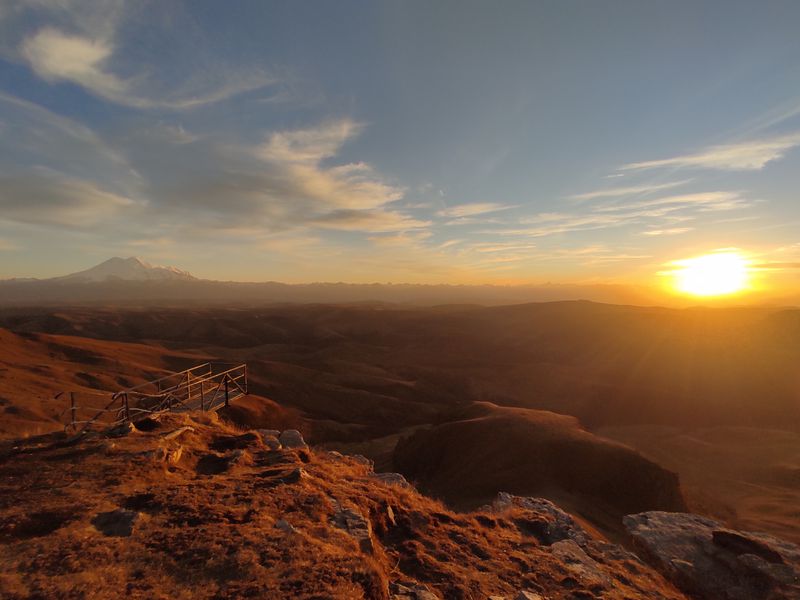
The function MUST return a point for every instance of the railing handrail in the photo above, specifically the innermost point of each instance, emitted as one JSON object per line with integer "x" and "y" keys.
{"x": 184, "y": 394}
{"x": 170, "y": 376}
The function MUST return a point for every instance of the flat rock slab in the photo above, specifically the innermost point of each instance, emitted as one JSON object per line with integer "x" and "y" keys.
{"x": 349, "y": 519}
{"x": 411, "y": 591}
{"x": 275, "y": 477}
{"x": 707, "y": 560}
{"x": 551, "y": 525}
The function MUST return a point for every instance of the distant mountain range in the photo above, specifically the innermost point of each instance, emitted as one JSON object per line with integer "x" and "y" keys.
{"x": 134, "y": 281}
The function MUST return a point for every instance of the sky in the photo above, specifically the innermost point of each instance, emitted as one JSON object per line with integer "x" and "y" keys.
{"x": 450, "y": 141}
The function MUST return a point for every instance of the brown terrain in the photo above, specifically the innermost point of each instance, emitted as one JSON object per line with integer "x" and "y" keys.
{"x": 605, "y": 410}
{"x": 192, "y": 508}
{"x": 485, "y": 448}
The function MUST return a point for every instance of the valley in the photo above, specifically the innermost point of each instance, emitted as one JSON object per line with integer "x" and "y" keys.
{"x": 362, "y": 377}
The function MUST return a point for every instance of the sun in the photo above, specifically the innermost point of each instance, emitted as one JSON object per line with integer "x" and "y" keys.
{"x": 717, "y": 274}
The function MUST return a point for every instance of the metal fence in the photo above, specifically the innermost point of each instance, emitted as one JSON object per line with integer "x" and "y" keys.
{"x": 203, "y": 387}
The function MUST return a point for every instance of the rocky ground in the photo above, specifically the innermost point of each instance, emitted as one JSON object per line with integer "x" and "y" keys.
{"x": 188, "y": 507}
{"x": 708, "y": 560}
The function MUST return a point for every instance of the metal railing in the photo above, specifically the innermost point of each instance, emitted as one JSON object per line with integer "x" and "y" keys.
{"x": 197, "y": 388}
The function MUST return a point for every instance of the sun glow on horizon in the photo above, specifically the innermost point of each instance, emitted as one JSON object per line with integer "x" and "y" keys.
{"x": 717, "y": 274}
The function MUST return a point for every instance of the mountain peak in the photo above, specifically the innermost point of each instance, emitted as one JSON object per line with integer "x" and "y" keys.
{"x": 132, "y": 268}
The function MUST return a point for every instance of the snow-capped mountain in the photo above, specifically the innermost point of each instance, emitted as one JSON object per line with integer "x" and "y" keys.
{"x": 127, "y": 269}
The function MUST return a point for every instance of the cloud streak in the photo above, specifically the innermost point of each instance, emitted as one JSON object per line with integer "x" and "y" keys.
{"x": 752, "y": 155}
{"x": 51, "y": 198}
{"x": 629, "y": 191}
{"x": 88, "y": 43}
{"x": 472, "y": 209}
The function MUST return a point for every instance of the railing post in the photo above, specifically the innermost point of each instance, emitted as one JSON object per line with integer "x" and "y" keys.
{"x": 202, "y": 397}
{"x": 72, "y": 410}
{"x": 226, "y": 389}
{"x": 127, "y": 407}
{"x": 245, "y": 379}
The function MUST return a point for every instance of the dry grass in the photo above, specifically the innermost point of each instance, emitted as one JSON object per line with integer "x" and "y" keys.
{"x": 210, "y": 532}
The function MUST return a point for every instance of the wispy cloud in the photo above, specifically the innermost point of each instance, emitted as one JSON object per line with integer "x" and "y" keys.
{"x": 403, "y": 239}
{"x": 594, "y": 254}
{"x": 289, "y": 181}
{"x": 629, "y": 191}
{"x": 743, "y": 156}
{"x": 775, "y": 266}
{"x": 51, "y": 198}
{"x": 717, "y": 200}
{"x": 473, "y": 209}
{"x": 658, "y": 214}
{"x": 491, "y": 247}
{"x": 55, "y": 56}
{"x": 60, "y": 57}
{"x": 670, "y": 231}
{"x": 372, "y": 221}
{"x": 311, "y": 145}
{"x": 95, "y": 44}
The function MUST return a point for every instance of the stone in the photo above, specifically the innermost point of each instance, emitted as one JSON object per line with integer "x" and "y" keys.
{"x": 122, "y": 429}
{"x": 363, "y": 460}
{"x": 706, "y": 559}
{"x": 284, "y": 525}
{"x": 350, "y": 519}
{"x": 269, "y": 432}
{"x": 280, "y": 476}
{"x": 391, "y": 479}
{"x": 582, "y": 566}
{"x": 169, "y": 456}
{"x": 116, "y": 523}
{"x": 271, "y": 442}
{"x": 291, "y": 438}
{"x": 551, "y": 524}
{"x": 408, "y": 590}
{"x": 526, "y": 595}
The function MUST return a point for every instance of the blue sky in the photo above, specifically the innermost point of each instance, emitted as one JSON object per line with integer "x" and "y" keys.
{"x": 399, "y": 141}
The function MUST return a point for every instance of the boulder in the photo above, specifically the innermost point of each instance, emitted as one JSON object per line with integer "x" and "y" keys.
{"x": 361, "y": 459}
{"x": 391, "y": 479}
{"x": 708, "y": 560}
{"x": 525, "y": 595}
{"x": 291, "y": 438}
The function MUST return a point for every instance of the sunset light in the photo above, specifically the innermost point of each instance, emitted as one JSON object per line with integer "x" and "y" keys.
{"x": 717, "y": 274}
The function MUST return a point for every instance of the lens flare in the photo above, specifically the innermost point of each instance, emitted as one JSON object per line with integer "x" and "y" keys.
{"x": 715, "y": 274}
